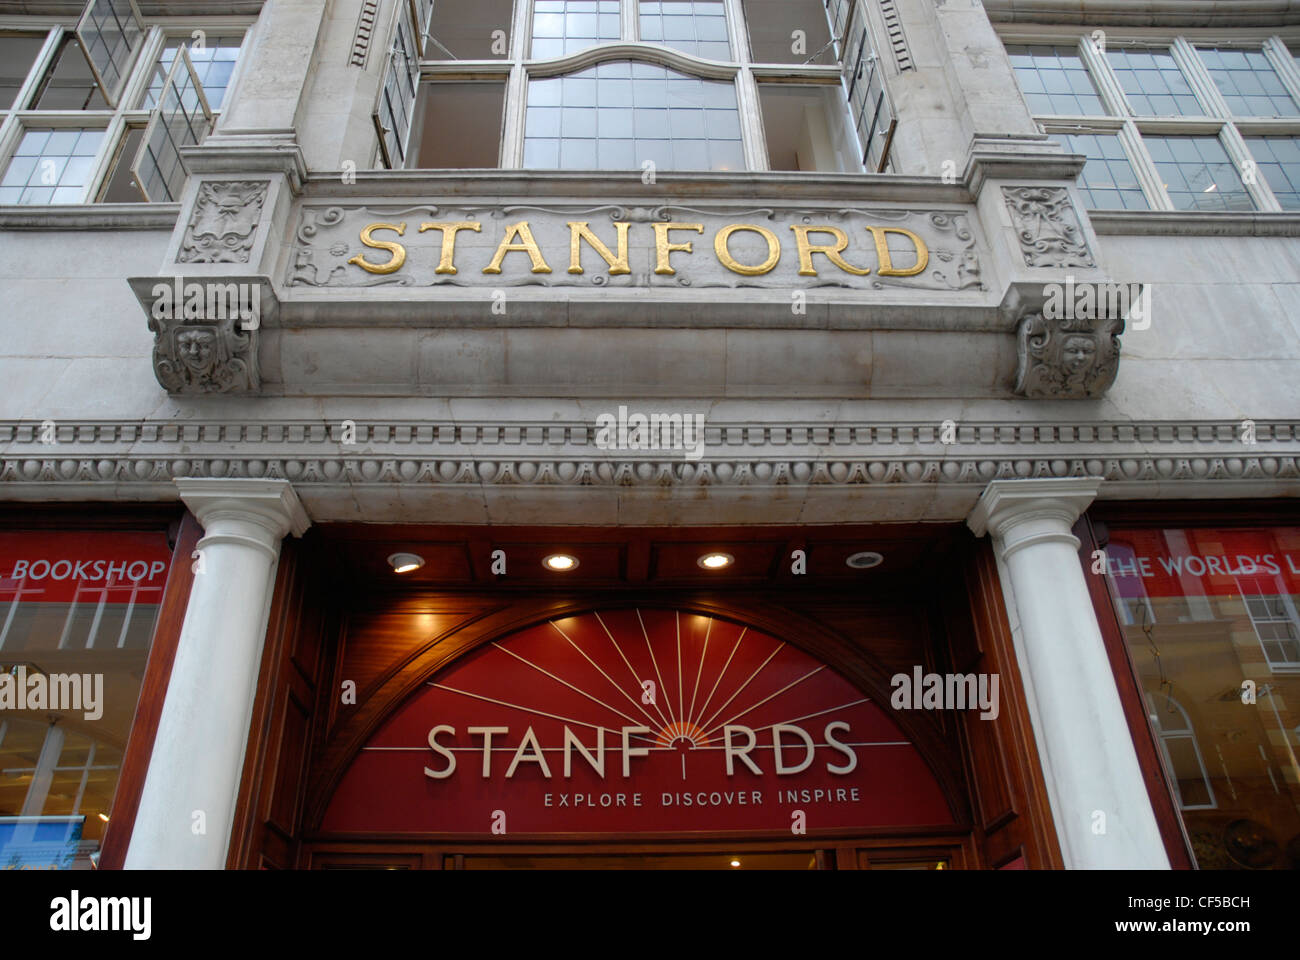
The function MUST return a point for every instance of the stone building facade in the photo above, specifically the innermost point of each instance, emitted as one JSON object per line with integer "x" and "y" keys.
{"x": 993, "y": 294}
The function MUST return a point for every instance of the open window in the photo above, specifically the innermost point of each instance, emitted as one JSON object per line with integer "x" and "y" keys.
{"x": 182, "y": 118}
{"x": 110, "y": 33}
{"x": 395, "y": 107}
{"x": 864, "y": 82}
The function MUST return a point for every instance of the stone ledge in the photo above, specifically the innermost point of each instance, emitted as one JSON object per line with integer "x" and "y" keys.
{"x": 1178, "y": 223}
{"x": 90, "y": 216}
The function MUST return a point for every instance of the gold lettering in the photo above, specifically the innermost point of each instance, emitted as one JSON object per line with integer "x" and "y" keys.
{"x": 526, "y": 245}
{"x": 446, "y": 263}
{"x": 831, "y": 253}
{"x": 663, "y": 248}
{"x": 578, "y": 230}
{"x": 724, "y": 255}
{"x": 396, "y": 249}
{"x": 882, "y": 252}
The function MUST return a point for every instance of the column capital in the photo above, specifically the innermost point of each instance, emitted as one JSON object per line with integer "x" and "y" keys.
{"x": 1058, "y": 501}
{"x": 270, "y": 504}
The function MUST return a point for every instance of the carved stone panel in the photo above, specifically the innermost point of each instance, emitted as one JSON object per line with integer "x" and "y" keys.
{"x": 1047, "y": 227}
{"x": 1067, "y": 358}
{"x": 224, "y": 222}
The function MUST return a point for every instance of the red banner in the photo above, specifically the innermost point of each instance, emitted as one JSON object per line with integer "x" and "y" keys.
{"x": 636, "y": 721}
{"x": 56, "y": 566}
{"x": 1204, "y": 562}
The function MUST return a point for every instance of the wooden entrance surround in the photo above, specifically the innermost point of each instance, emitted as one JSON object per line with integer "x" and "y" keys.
{"x": 340, "y": 614}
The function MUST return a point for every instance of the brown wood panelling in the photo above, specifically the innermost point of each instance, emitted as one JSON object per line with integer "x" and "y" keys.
{"x": 265, "y": 832}
{"x": 1130, "y": 694}
{"x": 1009, "y": 795}
{"x": 153, "y": 691}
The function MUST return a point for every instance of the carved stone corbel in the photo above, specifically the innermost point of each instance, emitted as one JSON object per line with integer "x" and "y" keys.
{"x": 1066, "y": 358}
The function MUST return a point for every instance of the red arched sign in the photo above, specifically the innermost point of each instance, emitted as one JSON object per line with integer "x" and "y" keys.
{"x": 636, "y": 721}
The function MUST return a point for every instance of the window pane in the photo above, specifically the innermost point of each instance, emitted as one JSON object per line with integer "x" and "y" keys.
{"x": 1108, "y": 181}
{"x": 789, "y": 31}
{"x": 1248, "y": 82}
{"x": 467, "y": 30}
{"x": 111, "y": 35}
{"x": 47, "y": 161}
{"x": 618, "y": 116}
{"x": 1219, "y": 595}
{"x": 120, "y": 186}
{"x": 1278, "y": 159}
{"x": 1054, "y": 79}
{"x": 473, "y": 110}
{"x": 561, "y": 27}
{"x": 1153, "y": 83}
{"x": 18, "y": 52}
{"x": 806, "y": 127}
{"x": 1198, "y": 174}
{"x": 214, "y": 64}
{"x": 88, "y": 632}
{"x": 70, "y": 85}
{"x": 699, "y": 28}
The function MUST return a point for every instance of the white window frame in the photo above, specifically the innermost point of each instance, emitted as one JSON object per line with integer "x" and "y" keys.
{"x": 1285, "y": 666}
{"x": 1120, "y": 119}
{"x": 517, "y": 68}
{"x": 1154, "y": 707}
{"x": 15, "y": 121}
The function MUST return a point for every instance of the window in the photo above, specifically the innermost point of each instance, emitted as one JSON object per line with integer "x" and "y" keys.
{"x": 1248, "y": 82}
{"x": 1219, "y": 661}
{"x": 1170, "y": 125}
{"x": 616, "y": 116}
{"x": 1108, "y": 181}
{"x": 1054, "y": 80}
{"x": 95, "y": 123}
{"x": 1182, "y": 753}
{"x": 697, "y": 28}
{"x": 822, "y": 94}
{"x": 1278, "y": 159}
{"x": 78, "y": 610}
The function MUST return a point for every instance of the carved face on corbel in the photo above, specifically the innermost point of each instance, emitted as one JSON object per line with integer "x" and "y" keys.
{"x": 197, "y": 349}
{"x": 1078, "y": 353}
{"x": 1067, "y": 359}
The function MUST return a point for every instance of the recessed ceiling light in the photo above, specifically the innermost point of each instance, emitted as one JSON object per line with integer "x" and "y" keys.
{"x": 716, "y": 561}
{"x": 405, "y": 562}
{"x": 104, "y": 817}
{"x": 865, "y": 560}
{"x": 735, "y": 863}
{"x": 560, "y": 562}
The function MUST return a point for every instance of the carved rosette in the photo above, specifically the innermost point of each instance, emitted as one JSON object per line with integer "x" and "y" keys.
{"x": 224, "y": 222}
{"x": 205, "y": 356}
{"x": 1066, "y": 358}
{"x": 1047, "y": 227}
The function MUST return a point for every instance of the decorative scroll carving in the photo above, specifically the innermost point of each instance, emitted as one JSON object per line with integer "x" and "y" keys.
{"x": 1047, "y": 227}
{"x": 1067, "y": 358}
{"x": 204, "y": 356}
{"x": 224, "y": 222}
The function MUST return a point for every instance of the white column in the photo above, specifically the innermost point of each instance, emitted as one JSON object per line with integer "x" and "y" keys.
{"x": 1100, "y": 803}
{"x": 198, "y": 755}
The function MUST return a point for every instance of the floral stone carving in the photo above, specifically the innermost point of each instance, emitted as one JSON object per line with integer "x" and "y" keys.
{"x": 1047, "y": 227}
{"x": 224, "y": 222}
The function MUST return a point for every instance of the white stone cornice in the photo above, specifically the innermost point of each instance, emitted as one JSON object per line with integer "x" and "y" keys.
{"x": 271, "y": 505}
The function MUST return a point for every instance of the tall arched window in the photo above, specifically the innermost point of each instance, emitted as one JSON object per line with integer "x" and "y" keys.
{"x": 623, "y": 84}
{"x": 1182, "y": 752}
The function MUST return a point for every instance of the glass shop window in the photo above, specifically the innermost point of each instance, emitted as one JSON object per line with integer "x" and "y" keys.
{"x": 1219, "y": 662}
{"x": 77, "y": 614}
